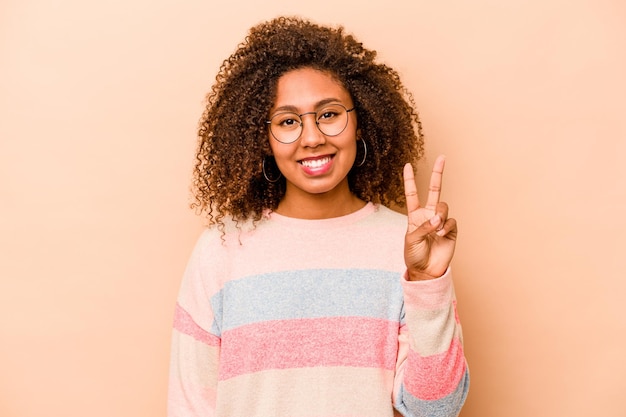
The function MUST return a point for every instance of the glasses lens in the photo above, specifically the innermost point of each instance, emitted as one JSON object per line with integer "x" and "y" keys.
{"x": 286, "y": 127}
{"x": 332, "y": 119}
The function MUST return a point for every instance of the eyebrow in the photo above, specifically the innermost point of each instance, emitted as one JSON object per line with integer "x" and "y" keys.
{"x": 291, "y": 108}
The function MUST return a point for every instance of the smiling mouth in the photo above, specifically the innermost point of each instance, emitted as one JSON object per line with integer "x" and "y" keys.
{"x": 315, "y": 163}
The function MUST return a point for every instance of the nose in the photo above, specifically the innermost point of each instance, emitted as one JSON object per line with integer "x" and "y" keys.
{"x": 311, "y": 136}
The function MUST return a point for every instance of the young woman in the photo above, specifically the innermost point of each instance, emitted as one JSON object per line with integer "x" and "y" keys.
{"x": 306, "y": 295}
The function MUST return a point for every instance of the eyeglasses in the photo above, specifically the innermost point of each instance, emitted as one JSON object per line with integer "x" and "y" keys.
{"x": 331, "y": 120}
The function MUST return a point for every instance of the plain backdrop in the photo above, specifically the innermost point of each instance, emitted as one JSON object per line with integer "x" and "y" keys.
{"x": 99, "y": 103}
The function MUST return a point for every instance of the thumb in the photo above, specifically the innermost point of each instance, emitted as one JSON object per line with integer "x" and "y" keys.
{"x": 417, "y": 234}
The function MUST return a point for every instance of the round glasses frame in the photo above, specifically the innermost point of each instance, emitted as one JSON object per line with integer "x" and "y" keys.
{"x": 297, "y": 118}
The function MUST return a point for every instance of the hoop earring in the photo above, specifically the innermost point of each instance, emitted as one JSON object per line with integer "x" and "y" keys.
{"x": 364, "y": 153}
{"x": 272, "y": 180}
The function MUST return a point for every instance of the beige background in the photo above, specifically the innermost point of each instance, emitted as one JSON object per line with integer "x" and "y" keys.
{"x": 99, "y": 103}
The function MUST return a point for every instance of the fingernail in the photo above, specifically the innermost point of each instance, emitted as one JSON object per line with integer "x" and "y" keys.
{"x": 435, "y": 220}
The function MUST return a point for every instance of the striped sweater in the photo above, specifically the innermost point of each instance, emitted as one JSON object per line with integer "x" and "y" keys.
{"x": 297, "y": 317}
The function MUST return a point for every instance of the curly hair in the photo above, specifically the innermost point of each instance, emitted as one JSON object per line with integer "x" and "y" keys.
{"x": 228, "y": 175}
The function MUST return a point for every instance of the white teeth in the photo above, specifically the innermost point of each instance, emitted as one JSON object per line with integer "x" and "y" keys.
{"x": 315, "y": 163}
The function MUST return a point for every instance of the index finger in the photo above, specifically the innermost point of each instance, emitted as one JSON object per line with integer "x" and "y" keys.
{"x": 410, "y": 189}
{"x": 436, "y": 178}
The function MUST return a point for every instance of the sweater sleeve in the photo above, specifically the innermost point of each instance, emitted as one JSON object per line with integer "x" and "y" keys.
{"x": 432, "y": 377}
{"x": 195, "y": 345}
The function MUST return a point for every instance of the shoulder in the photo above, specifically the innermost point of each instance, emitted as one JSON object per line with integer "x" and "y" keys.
{"x": 214, "y": 251}
{"x": 387, "y": 216}
{"x": 232, "y": 236}
{"x": 381, "y": 225}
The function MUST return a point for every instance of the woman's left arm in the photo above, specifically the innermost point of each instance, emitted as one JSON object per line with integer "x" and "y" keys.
{"x": 432, "y": 375}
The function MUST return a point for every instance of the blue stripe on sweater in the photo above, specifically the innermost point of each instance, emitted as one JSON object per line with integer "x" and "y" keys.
{"x": 308, "y": 294}
{"x": 446, "y": 406}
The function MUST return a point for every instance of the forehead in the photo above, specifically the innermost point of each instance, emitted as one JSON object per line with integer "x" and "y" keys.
{"x": 305, "y": 88}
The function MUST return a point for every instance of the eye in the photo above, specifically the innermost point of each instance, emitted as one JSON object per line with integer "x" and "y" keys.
{"x": 286, "y": 120}
{"x": 327, "y": 115}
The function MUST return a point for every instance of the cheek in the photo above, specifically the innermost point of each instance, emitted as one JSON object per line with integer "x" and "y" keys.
{"x": 281, "y": 152}
{"x": 352, "y": 144}
{"x": 277, "y": 149}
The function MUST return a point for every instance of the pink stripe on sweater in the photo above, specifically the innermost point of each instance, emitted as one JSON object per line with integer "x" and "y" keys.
{"x": 438, "y": 375}
{"x": 184, "y": 323}
{"x": 301, "y": 343}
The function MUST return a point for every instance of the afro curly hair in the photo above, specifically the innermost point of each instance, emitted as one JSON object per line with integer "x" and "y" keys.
{"x": 228, "y": 175}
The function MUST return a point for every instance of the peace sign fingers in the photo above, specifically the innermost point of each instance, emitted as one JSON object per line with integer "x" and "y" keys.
{"x": 434, "y": 188}
{"x": 431, "y": 236}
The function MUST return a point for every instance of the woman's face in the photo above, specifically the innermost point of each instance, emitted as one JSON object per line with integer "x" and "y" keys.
{"x": 315, "y": 164}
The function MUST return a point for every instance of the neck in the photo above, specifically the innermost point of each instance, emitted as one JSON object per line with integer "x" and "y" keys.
{"x": 319, "y": 206}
